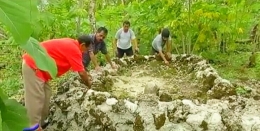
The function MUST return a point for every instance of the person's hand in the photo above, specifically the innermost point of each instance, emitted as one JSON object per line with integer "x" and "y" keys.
{"x": 166, "y": 62}
{"x": 89, "y": 84}
{"x": 136, "y": 50}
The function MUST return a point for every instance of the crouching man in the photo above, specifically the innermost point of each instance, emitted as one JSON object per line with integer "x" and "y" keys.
{"x": 67, "y": 54}
{"x": 158, "y": 44}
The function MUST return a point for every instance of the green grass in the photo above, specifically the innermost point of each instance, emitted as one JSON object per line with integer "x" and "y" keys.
{"x": 233, "y": 66}
{"x": 10, "y": 75}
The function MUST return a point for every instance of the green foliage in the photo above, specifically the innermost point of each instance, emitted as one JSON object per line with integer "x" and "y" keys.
{"x": 8, "y": 11}
{"x": 17, "y": 18}
{"x": 204, "y": 25}
{"x": 197, "y": 27}
{"x": 232, "y": 66}
{"x": 10, "y": 80}
{"x": 2, "y": 96}
{"x": 14, "y": 116}
{"x": 65, "y": 18}
{"x": 1, "y": 127}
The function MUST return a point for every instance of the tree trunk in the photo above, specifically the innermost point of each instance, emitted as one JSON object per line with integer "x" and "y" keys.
{"x": 92, "y": 17}
{"x": 78, "y": 19}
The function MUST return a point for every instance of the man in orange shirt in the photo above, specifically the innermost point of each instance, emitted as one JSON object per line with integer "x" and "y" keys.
{"x": 67, "y": 53}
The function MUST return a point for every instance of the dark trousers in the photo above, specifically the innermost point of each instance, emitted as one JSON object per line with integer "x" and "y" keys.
{"x": 121, "y": 52}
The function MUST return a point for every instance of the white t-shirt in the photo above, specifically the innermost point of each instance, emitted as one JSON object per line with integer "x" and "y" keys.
{"x": 124, "y": 38}
{"x": 158, "y": 42}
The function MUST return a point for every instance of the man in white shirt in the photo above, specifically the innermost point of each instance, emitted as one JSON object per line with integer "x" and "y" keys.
{"x": 123, "y": 41}
{"x": 158, "y": 44}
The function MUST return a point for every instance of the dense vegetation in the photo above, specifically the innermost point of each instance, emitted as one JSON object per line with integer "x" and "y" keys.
{"x": 220, "y": 31}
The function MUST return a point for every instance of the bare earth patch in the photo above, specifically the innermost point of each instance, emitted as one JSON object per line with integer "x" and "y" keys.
{"x": 136, "y": 79}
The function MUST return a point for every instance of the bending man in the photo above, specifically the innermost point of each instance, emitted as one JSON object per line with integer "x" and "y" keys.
{"x": 97, "y": 45}
{"x": 158, "y": 44}
{"x": 67, "y": 53}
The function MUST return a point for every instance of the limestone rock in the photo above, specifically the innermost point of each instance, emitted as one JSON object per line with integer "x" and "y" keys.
{"x": 151, "y": 88}
{"x": 165, "y": 97}
{"x": 154, "y": 107}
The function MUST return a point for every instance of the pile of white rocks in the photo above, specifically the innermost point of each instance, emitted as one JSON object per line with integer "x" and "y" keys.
{"x": 75, "y": 108}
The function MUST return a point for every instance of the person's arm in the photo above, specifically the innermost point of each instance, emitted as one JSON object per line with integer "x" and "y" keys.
{"x": 105, "y": 52}
{"x": 75, "y": 60}
{"x": 162, "y": 55}
{"x": 135, "y": 48}
{"x": 108, "y": 59}
{"x": 134, "y": 41}
{"x": 93, "y": 59}
{"x": 159, "y": 47}
{"x": 115, "y": 41}
{"x": 85, "y": 77}
{"x": 114, "y": 45}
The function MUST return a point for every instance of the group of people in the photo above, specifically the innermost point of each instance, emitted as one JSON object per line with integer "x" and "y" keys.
{"x": 76, "y": 55}
{"x": 125, "y": 42}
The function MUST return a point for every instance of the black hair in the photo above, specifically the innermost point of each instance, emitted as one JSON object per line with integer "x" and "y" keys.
{"x": 104, "y": 29}
{"x": 126, "y": 22}
{"x": 86, "y": 39}
{"x": 165, "y": 33}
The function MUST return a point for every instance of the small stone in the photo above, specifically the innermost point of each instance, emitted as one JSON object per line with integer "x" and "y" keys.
{"x": 151, "y": 88}
{"x": 256, "y": 97}
{"x": 131, "y": 106}
{"x": 165, "y": 97}
{"x": 111, "y": 101}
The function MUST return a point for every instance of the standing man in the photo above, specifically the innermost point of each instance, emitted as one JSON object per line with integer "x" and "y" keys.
{"x": 158, "y": 44}
{"x": 123, "y": 39}
{"x": 97, "y": 45}
{"x": 67, "y": 54}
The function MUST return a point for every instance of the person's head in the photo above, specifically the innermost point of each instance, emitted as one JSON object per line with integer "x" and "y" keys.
{"x": 126, "y": 25}
{"x": 165, "y": 34}
{"x": 101, "y": 34}
{"x": 84, "y": 42}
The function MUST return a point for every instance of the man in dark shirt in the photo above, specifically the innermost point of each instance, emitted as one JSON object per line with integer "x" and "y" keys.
{"x": 97, "y": 45}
